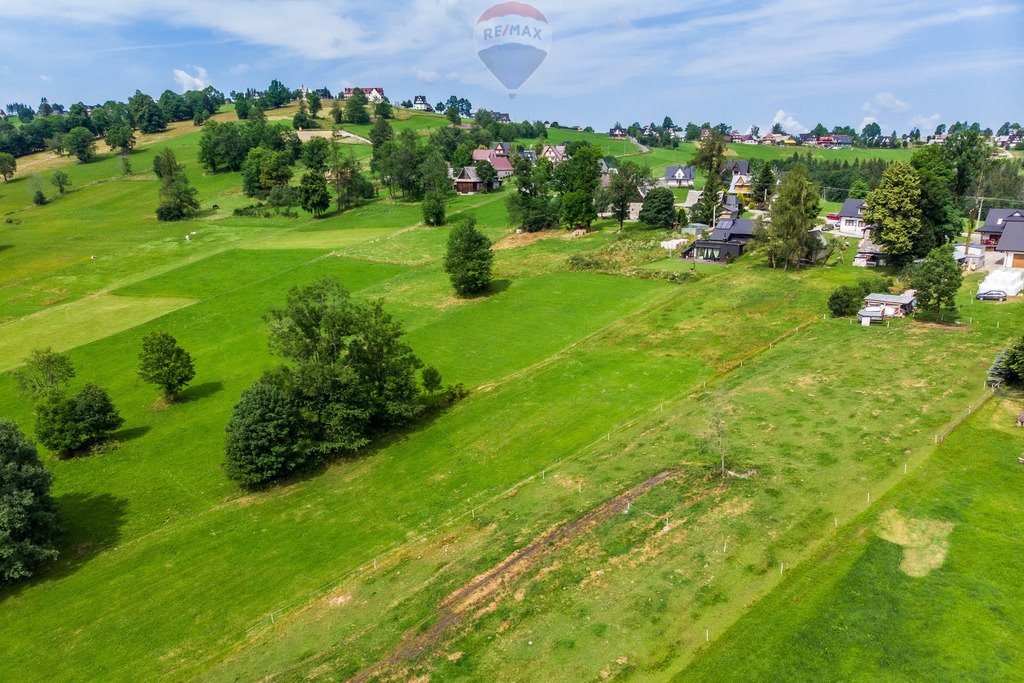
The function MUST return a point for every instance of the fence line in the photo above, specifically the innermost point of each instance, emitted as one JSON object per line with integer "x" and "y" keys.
{"x": 960, "y": 419}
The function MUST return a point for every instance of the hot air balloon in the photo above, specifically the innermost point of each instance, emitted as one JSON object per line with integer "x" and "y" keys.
{"x": 512, "y": 40}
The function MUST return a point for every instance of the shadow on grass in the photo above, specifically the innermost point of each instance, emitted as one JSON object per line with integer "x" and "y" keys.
{"x": 5, "y": 247}
{"x": 126, "y": 435}
{"x": 200, "y": 391}
{"x": 496, "y": 287}
{"x": 92, "y": 523}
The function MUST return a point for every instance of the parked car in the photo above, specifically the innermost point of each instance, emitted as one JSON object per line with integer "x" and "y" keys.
{"x": 833, "y": 217}
{"x": 994, "y": 295}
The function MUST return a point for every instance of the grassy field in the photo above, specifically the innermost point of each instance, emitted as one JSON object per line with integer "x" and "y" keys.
{"x": 855, "y": 613}
{"x": 583, "y": 387}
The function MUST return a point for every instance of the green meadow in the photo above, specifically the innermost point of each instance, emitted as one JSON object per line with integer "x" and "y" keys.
{"x": 582, "y": 386}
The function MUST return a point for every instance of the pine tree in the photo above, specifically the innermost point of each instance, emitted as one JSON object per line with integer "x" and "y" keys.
{"x": 788, "y": 238}
{"x": 763, "y": 186}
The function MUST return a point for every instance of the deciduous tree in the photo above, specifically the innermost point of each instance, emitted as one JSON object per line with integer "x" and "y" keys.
{"x": 164, "y": 363}
{"x": 894, "y": 209}
{"x": 313, "y": 193}
{"x": 659, "y": 210}
{"x": 8, "y": 165}
{"x": 355, "y": 108}
{"x": 81, "y": 143}
{"x": 70, "y": 425}
{"x": 265, "y": 435}
{"x": 45, "y": 372}
{"x": 60, "y": 180}
{"x": 468, "y": 259}
{"x": 937, "y": 280}
{"x": 29, "y": 519}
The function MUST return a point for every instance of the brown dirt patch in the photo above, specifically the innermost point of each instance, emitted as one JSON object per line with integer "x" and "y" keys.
{"x": 525, "y": 239}
{"x": 924, "y": 541}
{"x": 483, "y": 592}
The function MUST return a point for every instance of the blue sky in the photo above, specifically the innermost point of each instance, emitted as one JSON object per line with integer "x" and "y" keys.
{"x": 902, "y": 63}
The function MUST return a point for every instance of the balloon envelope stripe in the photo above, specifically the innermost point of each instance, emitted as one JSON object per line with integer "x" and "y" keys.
{"x": 508, "y": 8}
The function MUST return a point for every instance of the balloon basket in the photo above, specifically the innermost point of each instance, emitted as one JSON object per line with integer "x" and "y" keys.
{"x": 512, "y": 95}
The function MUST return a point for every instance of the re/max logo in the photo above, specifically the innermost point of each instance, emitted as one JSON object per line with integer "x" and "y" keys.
{"x": 512, "y": 30}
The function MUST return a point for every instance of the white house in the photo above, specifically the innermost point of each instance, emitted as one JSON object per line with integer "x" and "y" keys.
{"x": 420, "y": 104}
{"x": 851, "y": 218}
{"x": 679, "y": 176}
{"x": 374, "y": 95}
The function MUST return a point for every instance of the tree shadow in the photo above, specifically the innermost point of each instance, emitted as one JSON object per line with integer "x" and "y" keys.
{"x": 200, "y": 391}
{"x": 378, "y": 444}
{"x": 496, "y": 287}
{"x": 126, "y": 435}
{"x": 5, "y": 247}
{"x": 92, "y": 522}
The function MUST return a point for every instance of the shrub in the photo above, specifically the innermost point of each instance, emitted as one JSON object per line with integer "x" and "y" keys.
{"x": 38, "y": 198}
{"x": 29, "y": 521}
{"x": 845, "y": 301}
{"x": 68, "y": 426}
{"x": 264, "y": 436}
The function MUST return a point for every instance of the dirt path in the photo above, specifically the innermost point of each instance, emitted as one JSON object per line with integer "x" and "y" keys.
{"x": 477, "y": 595}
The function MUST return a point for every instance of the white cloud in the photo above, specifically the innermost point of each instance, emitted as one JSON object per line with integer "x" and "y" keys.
{"x": 789, "y": 123}
{"x": 425, "y": 76}
{"x": 866, "y": 121}
{"x": 189, "y": 82}
{"x": 44, "y": 77}
{"x": 927, "y": 124}
{"x": 239, "y": 69}
{"x": 887, "y": 102}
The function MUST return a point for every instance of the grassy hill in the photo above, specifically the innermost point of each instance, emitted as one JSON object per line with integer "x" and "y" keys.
{"x": 566, "y": 520}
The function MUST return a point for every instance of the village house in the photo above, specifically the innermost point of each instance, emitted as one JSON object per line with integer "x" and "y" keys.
{"x": 556, "y": 154}
{"x": 738, "y": 167}
{"x": 618, "y": 133}
{"x": 1011, "y": 244}
{"x": 420, "y": 104}
{"x": 679, "y": 176}
{"x": 726, "y": 242}
{"x": 995, "y": 223}
{"x": 730, "y": 207}
{"x": 851, "y": 218}
{"x": 375, "y": 95}
{"x": 842, "y": 141}
{"x": 869, "y": 254}
{"x": 741, "y": 185}
{"x": 468, "y": 182}
{"x": 501, "y": 162}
